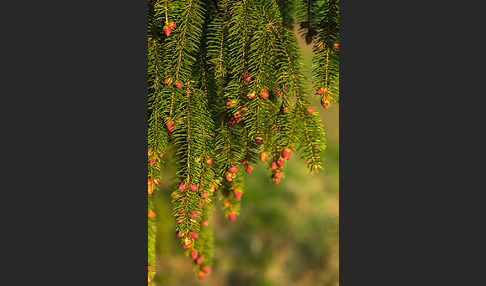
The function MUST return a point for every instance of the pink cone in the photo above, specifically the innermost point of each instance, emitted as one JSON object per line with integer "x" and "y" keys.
{"x": 194, "y": 254}
{"x": 233, "y": 169}
{"x": 286, "y": 153}
{"x": 167, "y": 30}
{"x": 237, "y": 194}
{"x": 170, "y": 126}
{"x": 263, "y": 156}
{"x": 263, "y": 93}
{"x": 273, "y": 166}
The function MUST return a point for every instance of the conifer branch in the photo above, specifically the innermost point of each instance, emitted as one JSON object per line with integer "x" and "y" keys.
{"x": 237, "y": 64}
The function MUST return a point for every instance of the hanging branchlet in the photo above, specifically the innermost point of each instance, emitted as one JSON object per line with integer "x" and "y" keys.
{"x": 195, "y": 165}
{"x": 320, "y": 25}
{"x": 217, "y": 43}
{"x": 202, "y": 251}
{"x": 287, "y": 8}
{"x": 307, "y": 12}
{"x": 151, "y": 240}
{"x": 307, "y": 132}
{"x": 231, "y": 193}
{"x": 226, "y": 87}
{"x": 326, "y": 51}
{"x": 258, "y": 107}
{"x": 157, "y": 136}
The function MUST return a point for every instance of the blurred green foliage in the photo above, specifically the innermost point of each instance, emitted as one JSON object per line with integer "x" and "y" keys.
{"x": 286, "y": 234}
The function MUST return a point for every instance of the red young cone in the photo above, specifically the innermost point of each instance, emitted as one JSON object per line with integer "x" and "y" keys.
{"x": 193, "y": 187}
{"x": 170, "y": 126}
{"x": 209, "y": 161}
{"x": 310, "y": 110}
{"x": 237, "y": 115}
{"x": 206, "y": 269}
{"x": 231, "y": 102}
{"x": 232, "y": 216}
{"x": 237, "y": 194}
{"x": 286, "y": 153}
{"x": 229, "y": 177}
{"x": 273, "y": 165}
{"x": 178, "y": 84}
{"x": 194, "y": 235}
{"x": 263, "y": 156}
{"x": 246, "y": 77}
{"x": 251, "y": 95}
{"x": 172, "y": 24}
{"x": 199, "y": 260}
{"x": 151, "y": 214}
{"x": 194, "y": 254}
{"x": 263, "y": 93}
{"x": 182, "y": 186}
{"x": 233, "y": 169}
{"x": 200, "y": 275}
{"x": 326, "y": 103}
{"x": 249, "y": 168}
{"x": 167, "y": 30}
{"x": 258, "y": 139}
{"x": 321, "y": 90}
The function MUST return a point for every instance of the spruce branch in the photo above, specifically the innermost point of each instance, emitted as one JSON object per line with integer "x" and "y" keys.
{"x": 227, "y": 80}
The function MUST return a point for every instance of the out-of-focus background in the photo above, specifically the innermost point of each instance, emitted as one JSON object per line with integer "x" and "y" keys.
{"x": 286, "y": 234}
